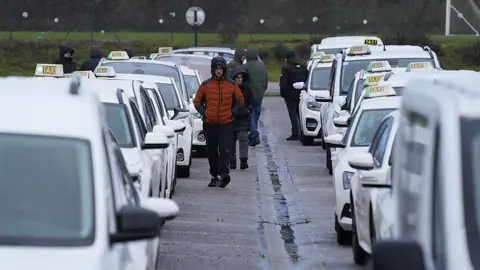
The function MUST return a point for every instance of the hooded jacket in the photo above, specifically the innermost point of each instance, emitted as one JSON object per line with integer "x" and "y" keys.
{"x": 258, "y": 74}
{"x": 293, "y": 71}
{"x": 237, "y": 60}
{"x": 69, "y": 66}
{"x": 215, "y": 97}
{"x": 241, "y": 112}
{"x": 92, "y": 62}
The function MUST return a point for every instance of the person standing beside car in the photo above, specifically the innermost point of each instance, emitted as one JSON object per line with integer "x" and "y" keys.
{"x": 237, "y": 61}
{"x": 258, "y": 83}
{"x": 92, "y": 62}
{"x": 293, "y": 71}
{"x": 214, "y": 101}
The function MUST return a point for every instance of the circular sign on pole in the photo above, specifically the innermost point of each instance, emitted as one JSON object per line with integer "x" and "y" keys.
{"x": 195, "y": 16}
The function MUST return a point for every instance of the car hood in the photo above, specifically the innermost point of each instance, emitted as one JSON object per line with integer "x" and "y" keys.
{"x": 133, "y": 158}
{"x": 28, "y": 258}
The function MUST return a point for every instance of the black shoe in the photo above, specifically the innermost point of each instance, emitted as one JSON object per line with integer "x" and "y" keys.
{"x": 233, "y": 164}
{"x": 293, "y": 138}
{"x": 243, "y": 164}
{"x": 224, "y": 180}
{"x": 257, "y": 139}
{"x": 214, "y": 182}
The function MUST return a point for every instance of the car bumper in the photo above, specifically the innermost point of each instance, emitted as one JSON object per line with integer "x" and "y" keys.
{"x": 310, "y": 122}
{"x": 198, "y": 136}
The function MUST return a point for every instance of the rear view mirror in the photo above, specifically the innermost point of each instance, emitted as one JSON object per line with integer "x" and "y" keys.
{"x": 341, "y": 121}
{"x": 335, "y": 141}
{"x": 299, "y": 85}
{"x": 176, "y": 125}
{"x": 136, "y": 223}
{"x": 165, "y": 130}
{"x": 154, "y": 140}
{"x": 361, "y": 161}
{"x": 398, "y": 255}
{"x": 179, "y": 114}
{"x": 165, "y": 208}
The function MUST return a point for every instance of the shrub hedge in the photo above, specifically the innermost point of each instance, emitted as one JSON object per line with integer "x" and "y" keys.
{"x": 20, "y": 57}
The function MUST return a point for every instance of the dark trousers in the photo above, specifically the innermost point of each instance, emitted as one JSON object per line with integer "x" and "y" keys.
{"x": 219, "y": 141}
{"x": 294, "y": 114}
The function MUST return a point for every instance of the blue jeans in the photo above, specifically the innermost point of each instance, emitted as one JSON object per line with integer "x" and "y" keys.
{"x": 257, "y": 110}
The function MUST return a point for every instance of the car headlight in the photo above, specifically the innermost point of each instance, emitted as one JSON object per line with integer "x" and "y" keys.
{"x": 312, "y": 104}
{"x": 347, "y": 176}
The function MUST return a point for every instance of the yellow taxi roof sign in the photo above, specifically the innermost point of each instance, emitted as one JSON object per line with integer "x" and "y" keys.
{"x": 372, "y": 80}
{"x": 85, "y": 73}
{"x": 165, "y": 50}
{"x": 419, "y": 66}
{"x": 373, "y": 42}
{"x": 379, "y": 66}
{"x": 379, "y": 91}
{"x": 105, "y": 71}
{"x": 69, "y": 75}
{"x": 316, "y": 55}
{"x": 153, "y": 55}
{"x": 139, "y": 57}
{"x": 327, "y": 58}
{"x": 49, "y": 70}
{"x": 359, "y": 50}
{"x": 118, "y": 55}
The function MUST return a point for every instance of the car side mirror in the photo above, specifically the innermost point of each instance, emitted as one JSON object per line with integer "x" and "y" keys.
{"x": 135, "y": 223}
{"x": 363, "y": 162}
{"x": 177, "y": 126}
{"x": 335, "y": 141}
{"x": 341, "y": 121}
{"x": 165, "y": 130}
{"x": 377, "y": 178}
{"x": 398, "y": 255}
{"x": 179, "y": 113}
{"x": 154, "y": 140}
{"x": 299, "y": 85}
{"x": 165, "y": 208}
{"x": 192, "y": 109}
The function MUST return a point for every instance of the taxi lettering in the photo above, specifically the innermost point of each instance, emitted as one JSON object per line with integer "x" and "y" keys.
{"x": 165, "y": 50}
{"x": 418, "y": 65}
{"x": 371, "y": 42}
{"x": 51, "y": 70}
{"x": 357, "y": 49}
{"x": 374, "y": 79}
{"x": 377, "y": 65}
{"x": 102, "y": 70}
{"x": 376, "y": 89}
{"x": 117, "y": 54}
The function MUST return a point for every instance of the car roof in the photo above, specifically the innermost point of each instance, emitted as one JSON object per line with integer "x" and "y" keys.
{"x": 102, "y": 87}
{"x": 49, "y": 108}
{"x": 184, "y": 56}
{"x": 187, "y": 71}
{"x": 206, "y": 49}
{"x": 144, "y": 77}
{"x": 143, "y": 61}
{"x": 349, "y": 39}
{"x": 381, "y": 103}
{"x": 390, "y": 55}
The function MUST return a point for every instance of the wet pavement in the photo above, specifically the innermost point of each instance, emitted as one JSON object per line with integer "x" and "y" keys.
{"x": 278, "y": 214}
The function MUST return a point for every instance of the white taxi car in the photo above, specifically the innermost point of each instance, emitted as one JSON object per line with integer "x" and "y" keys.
{"x": 435, "y": 172}
{"x": 78, "y": 212}
{"x": 314, "y": 56}
{"x": 378, "y": 102}
{"x": 170, "y": 94}
{"x": 309, "y": 107}
{"x": 334, "y": 45}
{"x": 122, "y": 64}
{"x": 371, "y": 167}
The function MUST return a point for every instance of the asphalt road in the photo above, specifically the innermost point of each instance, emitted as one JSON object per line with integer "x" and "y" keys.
{"x": 278, "y": 214}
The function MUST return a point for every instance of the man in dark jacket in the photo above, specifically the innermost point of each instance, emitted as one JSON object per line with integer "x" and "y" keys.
{"x": 92, "y": 62}
{"x": 241, "y": 120}
{"x": 214, "y": 101}
{"x": 65, "y": 58}
{"x": 237, "y": 61}
{"x": 258, "y": 83}
{"x": 293, "y": 71}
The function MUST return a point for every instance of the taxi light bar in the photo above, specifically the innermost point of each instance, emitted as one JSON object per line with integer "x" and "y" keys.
{"x": 359, "y": 50}
{"x": 49, "y": 70}
{"x": 327, "y": 58}
{"x": 118, "y": 55}
{"x": 419, "y": 66}
{"x": 379, "y": 66}
{"x": 379, "y": 91}
{"x": 153, "y": 55}
{"x": 372, "y": 80}
{"x": 83, "y": 73}
{"x": 165, "y": 50}
{"x": 104, "y": 71}
{"x": 316, "y": 55}
{"x": 139, "y": 57}
{"x": 373, "y": 42}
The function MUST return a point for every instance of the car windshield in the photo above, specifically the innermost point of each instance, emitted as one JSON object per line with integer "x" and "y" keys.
{"x": 470, "y": 158}
{"x": 320, "y": 78}
{"x": 192, "y": 84}
{"x": 46, "y": 194}
{"x": 169, "y": 95}
{"x": 126, "y": 67}
{"x": 119, "y": 123}
{"x": 349, "y": 68}
{"x": 367, "y": 125}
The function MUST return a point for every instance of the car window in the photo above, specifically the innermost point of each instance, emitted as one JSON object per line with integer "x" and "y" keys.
{"x": 151, "y": 118}
{"x": 158, "y": 101}
{"x": 381, "y": 147}
{"x": 47, "y": 191}
{"x": 120, "y": 124}
{"x": 169, "y": 95}
{"x": 126, "y": 183}
{"x": 367, "y": 125}
{"x": 359, "y": 89}
{"x": 192, "y": 84}
{"x": 376, "y": 137}
{"x": 139, "y": 121}
{"x": 320, "y": 77}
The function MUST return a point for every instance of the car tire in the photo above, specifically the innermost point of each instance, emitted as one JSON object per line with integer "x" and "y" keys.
{"x": 359, "y": 255}
{"x": 307, "y": 140}
{"x": 343, "y": 237}
{"x": 184, "y": 171}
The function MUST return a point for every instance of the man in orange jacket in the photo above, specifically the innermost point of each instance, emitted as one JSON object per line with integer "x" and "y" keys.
{"x": 214, "y": 100}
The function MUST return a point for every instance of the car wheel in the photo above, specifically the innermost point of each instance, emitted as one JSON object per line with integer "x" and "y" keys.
{"x": 359, "y": 255}
{"x": 343, "y": 237}
{"x": 307, "y": 140}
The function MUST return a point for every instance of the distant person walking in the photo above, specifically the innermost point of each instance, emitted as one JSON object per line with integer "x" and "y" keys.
{"x": 214, "y": 101}
{"x": 257, "y": 83}
{"x": 238, "y": 58}
{"x": 65, "y": 58}
{"x": 293, "y": 71}
{"x": 92, "y": 62}
{"x": 242, "y": 120}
